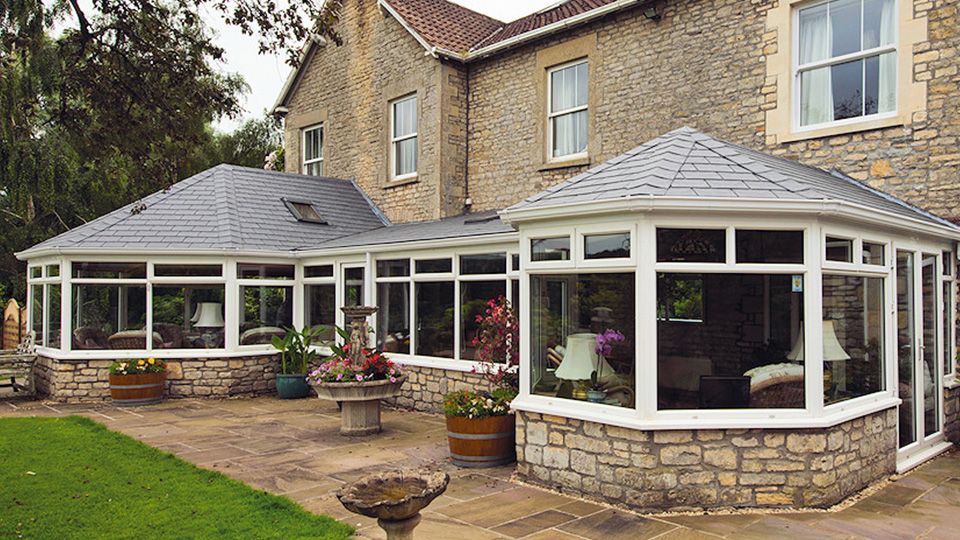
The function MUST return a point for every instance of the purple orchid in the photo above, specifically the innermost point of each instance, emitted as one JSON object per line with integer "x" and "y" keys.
{"x": 606, "y": 340}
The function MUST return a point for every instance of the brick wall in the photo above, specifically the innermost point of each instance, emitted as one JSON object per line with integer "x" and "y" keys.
{"x": 73, "y": 381}
{"x": 694, "y": 469}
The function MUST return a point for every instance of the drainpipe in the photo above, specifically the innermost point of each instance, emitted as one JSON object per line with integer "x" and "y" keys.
{"x": 467, "y": 202}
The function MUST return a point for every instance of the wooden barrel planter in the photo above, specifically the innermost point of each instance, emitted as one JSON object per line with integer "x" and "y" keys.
{"x": 482, "y": 442}
{"x": 143, "y": 389}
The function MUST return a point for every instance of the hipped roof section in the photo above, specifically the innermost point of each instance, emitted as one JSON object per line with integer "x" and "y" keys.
{"x": 687, "y": 164}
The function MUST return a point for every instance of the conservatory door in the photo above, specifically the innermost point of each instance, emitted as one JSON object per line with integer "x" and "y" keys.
{"x": 919, "y": 377}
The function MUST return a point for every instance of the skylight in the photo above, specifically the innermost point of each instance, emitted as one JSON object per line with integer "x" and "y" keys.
{"x": 304, "y": 211}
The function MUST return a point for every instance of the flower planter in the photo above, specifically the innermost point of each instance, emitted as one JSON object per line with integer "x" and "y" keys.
{"x": 482, "y": 442}
{"x": 360, "y": 412}
{"x": 292, "y": 386}
{"x": 143, "y": 389}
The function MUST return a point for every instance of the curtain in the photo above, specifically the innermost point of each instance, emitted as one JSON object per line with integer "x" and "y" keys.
{"x": 816, "y": 92}
{"x": 888, "y": 62}
{"x": 568, "y": 89}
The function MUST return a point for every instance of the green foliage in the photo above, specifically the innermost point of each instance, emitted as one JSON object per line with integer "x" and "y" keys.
{"x": 473, "y": 404}
{"x": 296, "y": 353}
{"x": 137, "y": 367}
{"x": 72, "y": 478}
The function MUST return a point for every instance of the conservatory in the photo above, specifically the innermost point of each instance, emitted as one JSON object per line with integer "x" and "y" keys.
{"x": 789, "y": 333}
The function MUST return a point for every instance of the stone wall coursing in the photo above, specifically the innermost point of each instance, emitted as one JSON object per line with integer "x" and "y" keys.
{"x": 951, "y": 412}
{"x": 74, "y": 381}
{"x": 425, "y": 387}
{"x": 694, "y": 469}
{"x": 350, "y": 86}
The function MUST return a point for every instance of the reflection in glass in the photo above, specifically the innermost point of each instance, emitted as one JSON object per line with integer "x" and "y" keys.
{"x": 53, "y": 336}
{"x": 320, "y": 310}
{"x": 852, "y": 337}
{"x": 778, "y": 247}
{"x": 393, "y": 317}
{"x": 567, "y": 312}
{"x": 691, "y": 245}
{"x": 948, "y": 329}
{"x": 208, "y": 270}
{"x": 434, "y": 321}
{"x": 393, "y": 268}
{"x": 434, "y": 266}
{"x": 36, "y": 312}
{"x": 266, "y": 312}
{"x": 475, "y": 297}
{"x": 905, "y": 347}
{"x": 109, "y": 270}
{"x": 550, "y": 249}
{"x": 189, "y": 317}
{"x": 839, "y": 249}
{"x": 486, "y": 263}
{"x": 747, "y": 351}
{"x": 109, "y": 317}
{"x": 873, "y": 254}
{"x": 606, "y": 246}
{"x": 264, "y": 271}
{"x": 353, "y": 287}
{"x": 931, "y": 405}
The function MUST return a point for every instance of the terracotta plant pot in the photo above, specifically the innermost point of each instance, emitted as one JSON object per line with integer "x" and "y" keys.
{"x": 292, "y": 386}
{"x": 131, "y": 390}
{"x": 482, "y": 442}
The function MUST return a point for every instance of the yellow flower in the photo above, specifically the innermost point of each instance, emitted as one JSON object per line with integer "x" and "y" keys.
{"x": 151, "y": 361}
{"x": 139, "y": 362}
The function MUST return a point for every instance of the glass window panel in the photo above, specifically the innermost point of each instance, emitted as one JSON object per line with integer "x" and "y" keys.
{"x": 405, "y": 156}
{"x": 267, "y": 312}
{"x": 320, "y": 310}
{"x": 778, "y": 247}
{"x": 405, "y": 117}
{"x": 314, "y": 169}
{"x": 567, "y": 313}
{"x": 814, "y": 43}
{"x": 188, "y": 270}
{"x": 264, "y": 271}
{"x": 52, "y": 314}
{"x": 873, "y": 254}
{"x": 691, "y": 245}
{"x": 680, "y": 297}
{"x": 434, "y": 266}
{"x": 871, "y": 85}
{"x": 53, "y": 270}
{"x": 948, "y": 263}
{"x": 393, "y": 268}
{"x": 515, "y": 262}
{"x": 906, "y": 338}
{"x": 322, "y": 270}
{"x": 486, "y": 263}
{"x": 569, "y": 134}
{"x": 36, "y": 312}
{"x": 435, "y": 319}
{"x": 353, "y": 294}
{"x": 930, "y": 379}
{"x": 847, "y": 84}
{"x": 845, "y": 26}
{"x": 109, "y": 270}
{"x": 109, "y": 317}
{"x": 515, "y": 300}
{"x": 189, "y": 317}
{"x": 839, "y": 249}
{"x": 550, "y": 249}
{"x": 393, "y": 318}
{"x": 568, "y": 87}
{"x": 948, "y": 328}
{"x": 879, "y": 20}
{"x": 313, "y": 149}
{"x": 816, "y": 97}
{"x": 606, "y": 246}
{"x": 36, "y": 272}
{"x": 853, "y": 337}
{"x": 746, "y": 353}
{"x": 475, "y": 297}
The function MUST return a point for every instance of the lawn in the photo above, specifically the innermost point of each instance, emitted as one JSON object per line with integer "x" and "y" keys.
{"x": 73, "y": 478}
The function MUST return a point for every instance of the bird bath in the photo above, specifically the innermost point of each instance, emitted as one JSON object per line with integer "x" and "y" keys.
{"x": 395, "y": 498}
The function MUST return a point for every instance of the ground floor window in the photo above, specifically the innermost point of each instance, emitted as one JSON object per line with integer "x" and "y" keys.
{"x": 475, "y": 298}
{"x": 730, "y": 341}
{"x": 320, "y": 310}
{"x": 393, "y": 317}
{"x": 52, "y": 337}
{"x": 267, "y": 311}
{"x": 568, "y": 312}
{"x": 110, "y": 316}
{"x": 434, "y": 316}
{"x": 37, "y": 313}
{"x": 188, "y": 317}
{"x": 853, "y": 352}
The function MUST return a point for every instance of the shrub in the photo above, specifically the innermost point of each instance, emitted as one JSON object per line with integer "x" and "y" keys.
{"x": 137, "y": 367}
{"x": 473, "y": 404}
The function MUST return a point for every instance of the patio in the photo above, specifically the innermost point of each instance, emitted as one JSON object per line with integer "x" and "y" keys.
{"x": 293, "y": 448}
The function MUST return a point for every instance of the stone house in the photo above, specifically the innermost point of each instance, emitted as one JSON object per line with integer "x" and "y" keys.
{"x": 783, "y": 271}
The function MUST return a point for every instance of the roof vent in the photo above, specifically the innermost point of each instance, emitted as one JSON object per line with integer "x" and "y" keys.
{"x": 304, "y": 211}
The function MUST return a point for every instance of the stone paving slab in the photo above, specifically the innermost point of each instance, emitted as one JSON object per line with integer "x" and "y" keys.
{"x": 293, "y": 448}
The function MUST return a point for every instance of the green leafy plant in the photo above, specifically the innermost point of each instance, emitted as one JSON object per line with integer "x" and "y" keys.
{"x": 473, "y": 404}
{"x": 137, "y": 367}
{"x": 296, "y": 353}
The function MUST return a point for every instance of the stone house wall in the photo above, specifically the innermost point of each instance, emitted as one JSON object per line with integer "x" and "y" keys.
{"x": 425, "y": 387}
{"x": 695, "y": 469}
{"x": 74, "y": 381}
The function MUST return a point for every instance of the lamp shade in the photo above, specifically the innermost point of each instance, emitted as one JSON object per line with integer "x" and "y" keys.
{"x": 832, "y": 349}
{"x": 211, "y": 315}
{"x": 579, "y": 358}
{"x": 196, "y": 314}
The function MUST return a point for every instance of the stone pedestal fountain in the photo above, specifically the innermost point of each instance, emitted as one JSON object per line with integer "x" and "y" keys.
{"x": 360, "y": 401}
{"x": 395, "y": 498}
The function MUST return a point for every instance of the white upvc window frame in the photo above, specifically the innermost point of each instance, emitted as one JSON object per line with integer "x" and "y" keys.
{"x": 304, "y": 162}
{"x": 395, "y": 140}
{"x": 551, "y": 115}
{"x": 798, "y": 69}
{"x": 41, "y": 284}
{"x": 295, "y": 284}
{"x": 949, "y": 377}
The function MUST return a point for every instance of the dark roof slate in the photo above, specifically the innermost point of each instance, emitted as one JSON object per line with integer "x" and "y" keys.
{"x": 688, "y": 163}
{"x": 229, "y": 208}
{"x": 465, "y": 225}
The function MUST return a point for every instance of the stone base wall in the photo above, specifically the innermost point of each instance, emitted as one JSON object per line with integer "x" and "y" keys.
{"x": 655, "y": 471}
{"x": 74, "y": 381}
{"x": 425, "y": 387}
{"x": 951, "y": 412}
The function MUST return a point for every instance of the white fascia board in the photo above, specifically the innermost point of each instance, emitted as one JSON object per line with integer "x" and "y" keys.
{"x": 441, "y": 243}
{"x": 650, "y": 203}
{"x": 145, "y": 253}
{"x": 280, "y": 104}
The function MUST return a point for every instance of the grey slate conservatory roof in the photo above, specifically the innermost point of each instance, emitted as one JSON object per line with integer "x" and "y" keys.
{"x": 688, "y": 163}
{"x": 228, "y": 208}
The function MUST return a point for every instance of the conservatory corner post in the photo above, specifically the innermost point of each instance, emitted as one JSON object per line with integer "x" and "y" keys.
{"x": 233, "y": 303}
{"x": 66, "y": 306}
{"x": 813, "y": 328}
{"x": 646, "y": 328}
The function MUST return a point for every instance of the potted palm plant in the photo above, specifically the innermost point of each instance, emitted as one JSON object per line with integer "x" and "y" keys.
{"x": 296, "y": 355}
{"x": 481, "y": 428}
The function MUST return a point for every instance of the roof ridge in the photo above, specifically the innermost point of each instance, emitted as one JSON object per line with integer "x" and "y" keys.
{"x": 227, "y": 219}
{"x": 376, "y": 209}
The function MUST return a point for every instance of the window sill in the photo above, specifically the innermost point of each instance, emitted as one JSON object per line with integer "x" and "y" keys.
{"x": 401, "y": 181}
{"x": 433, "y": 362}
{"x": 565, "y": 163}
{"x": 843, "y": 129}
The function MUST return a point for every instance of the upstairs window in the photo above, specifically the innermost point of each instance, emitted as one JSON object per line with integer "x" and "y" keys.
{"x": 313, "y": 151}
{"x": 567, "y": 110}
{"x": 403, "y": 138}
{"x": 846, "y": 60}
